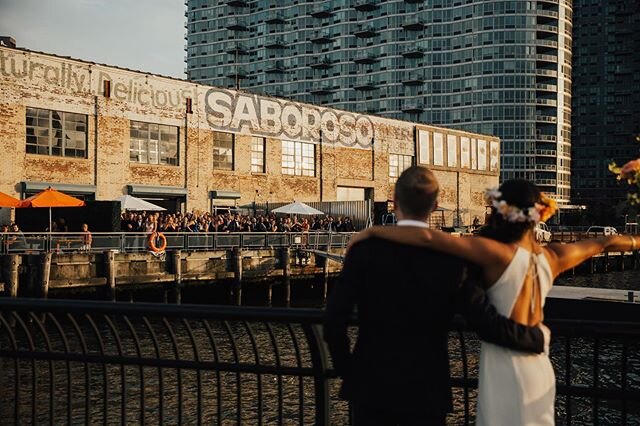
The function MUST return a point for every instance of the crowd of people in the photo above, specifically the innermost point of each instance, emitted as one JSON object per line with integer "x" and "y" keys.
{"x": 230, "y": 222}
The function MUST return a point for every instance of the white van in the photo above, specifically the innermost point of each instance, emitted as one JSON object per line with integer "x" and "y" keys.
{"x": 542, "y": 233}
{"x": 604, "y": 230}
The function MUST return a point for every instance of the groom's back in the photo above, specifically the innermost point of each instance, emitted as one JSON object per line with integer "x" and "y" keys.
{"x": 405, "y": 299}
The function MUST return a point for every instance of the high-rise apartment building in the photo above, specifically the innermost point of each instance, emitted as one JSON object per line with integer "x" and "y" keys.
{"x": 489, "y": 66}
{"x": 606, "y": 99}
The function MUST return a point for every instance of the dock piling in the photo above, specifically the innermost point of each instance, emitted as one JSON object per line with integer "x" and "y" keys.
{"x": 46, "y": 272}
{"x": 15, "y": 260}
{"x": 237, "y": 271}
{"x": 177, "y": 270}
{"x": 286, "y": 273}
{"x": 110, "y": 257}
{"x": 325, "y": 276}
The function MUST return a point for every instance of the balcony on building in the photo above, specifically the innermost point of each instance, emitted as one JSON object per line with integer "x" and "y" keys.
{"x": 546, "y": 118}
{"x": 275, "y": 17}
{"x": 413, "y": 23}
{"x": 365, "y": 31}
{"x": 276, "y": 68}
{"x": 321, "y": 88}
{"x": 541, "y": 57}
{"x": 321, "y": 63}
{"x": 545, "y": 182}
{"x": 237, "y": 48}
{"x": 546, "y": 102}
{"x": 366, "y": 5}
{"x": 413, "y": 52}
{"x": 413, "y": 79}
{"x": 546, "y": 138}
{"x": 546, "y": 13}
{"x": 236, "y": 24}
{"x": 546, "y": 87}
{"x": 547, "y": 28}
{"x": 239, "y": 73}
{"x": 323, "y": 11}
{"x": 321, "y": 37}
{"x": 546, "y": 72}
{"x": 412, "y": 107}
{"x": 551, "y": 153}
{"x": 275, "y": 43}
{"x": 365, "y": 84}
{"x": 546, "y": 167}
{"x": 238, "y": 3}
{"x": 365, "y": 58}
{"x": 414, "y": 1}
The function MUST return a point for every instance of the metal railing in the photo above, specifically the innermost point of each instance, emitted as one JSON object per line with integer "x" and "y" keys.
{"x": 134, "y": 242}
{"x": 67, "y": 362}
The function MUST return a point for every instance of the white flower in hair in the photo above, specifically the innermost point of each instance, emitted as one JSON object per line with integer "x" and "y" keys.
{"x": 492, "y": 195}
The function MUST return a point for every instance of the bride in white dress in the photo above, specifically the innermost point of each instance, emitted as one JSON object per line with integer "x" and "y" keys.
{"x": 515, "y": 388}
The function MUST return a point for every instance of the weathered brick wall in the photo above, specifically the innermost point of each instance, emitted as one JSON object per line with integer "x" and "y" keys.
{"x": 45, "y": 81}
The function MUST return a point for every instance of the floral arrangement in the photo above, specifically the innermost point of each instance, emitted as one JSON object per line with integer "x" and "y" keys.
{"x": 541, "y": 212}
{"x": 629, "y": 173}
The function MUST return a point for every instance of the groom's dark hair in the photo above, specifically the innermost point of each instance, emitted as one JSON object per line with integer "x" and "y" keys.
{"x": 416, "y": 191}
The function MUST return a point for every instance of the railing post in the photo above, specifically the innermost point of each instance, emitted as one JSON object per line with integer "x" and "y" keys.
{"x": 319, "y": 365}
{"x": 46, "y": 271}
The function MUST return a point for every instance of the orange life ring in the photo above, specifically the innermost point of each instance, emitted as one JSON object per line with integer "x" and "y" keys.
{"x": 152, "y": 242}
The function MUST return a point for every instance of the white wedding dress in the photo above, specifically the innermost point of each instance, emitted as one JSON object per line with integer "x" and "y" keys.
{"x": 516, "y": 388}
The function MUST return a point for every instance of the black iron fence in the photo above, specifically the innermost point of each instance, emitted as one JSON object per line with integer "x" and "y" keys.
{"x": 132, "y": 242}
{"x": 66, "y": 362}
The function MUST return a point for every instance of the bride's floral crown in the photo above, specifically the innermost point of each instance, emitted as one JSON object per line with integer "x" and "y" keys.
{"x": 540, "y": 212}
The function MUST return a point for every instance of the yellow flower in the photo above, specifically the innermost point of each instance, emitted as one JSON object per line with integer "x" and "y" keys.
{"x": 549, "y": 207}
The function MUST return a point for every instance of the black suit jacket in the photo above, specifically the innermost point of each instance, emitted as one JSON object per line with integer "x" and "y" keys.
{"x": 406, "y": 297}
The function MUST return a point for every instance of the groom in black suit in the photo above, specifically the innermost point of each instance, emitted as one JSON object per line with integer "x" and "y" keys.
{"x": 398, "y": 373}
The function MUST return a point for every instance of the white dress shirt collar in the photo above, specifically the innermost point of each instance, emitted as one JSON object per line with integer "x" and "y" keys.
{"x": 411, "y": 222}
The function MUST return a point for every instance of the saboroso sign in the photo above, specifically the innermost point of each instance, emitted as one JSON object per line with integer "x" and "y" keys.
{"x": 231, "y": 111}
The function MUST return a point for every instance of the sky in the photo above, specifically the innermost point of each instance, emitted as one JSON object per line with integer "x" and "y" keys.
{"x": 145, "y": 35}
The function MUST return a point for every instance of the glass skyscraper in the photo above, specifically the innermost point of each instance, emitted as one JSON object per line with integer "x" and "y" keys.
{"x": 606, "y": 102}
{"x": 489, "y": 66}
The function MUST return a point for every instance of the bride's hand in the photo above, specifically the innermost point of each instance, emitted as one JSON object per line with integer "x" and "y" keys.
{"x": 547, "y": 337}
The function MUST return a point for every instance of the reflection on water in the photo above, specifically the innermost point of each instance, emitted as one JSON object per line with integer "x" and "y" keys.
{"x": 628, "y": 280}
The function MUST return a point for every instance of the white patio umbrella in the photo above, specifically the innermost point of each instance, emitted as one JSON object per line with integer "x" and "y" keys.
{"x": 129, "y": 202}
{"x": 297, "y": 208}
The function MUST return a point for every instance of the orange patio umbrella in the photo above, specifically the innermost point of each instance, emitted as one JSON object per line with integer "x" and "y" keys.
{"x": 51, "y": 198}
{"x": 8, "y": 200}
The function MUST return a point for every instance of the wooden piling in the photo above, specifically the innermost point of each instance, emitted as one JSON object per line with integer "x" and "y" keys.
{"x": 177, "y": 270}
{"x": 237, "y": 272}
{"x": 45, "y": 260}
{"x": 286, "y": 273}
{"x": 15, "y": 260}
{"x": 606, "y": 261}
{"x": 621, "y": 260}
{"x": 325, "y": 276}
{"x": 110, "y": 258}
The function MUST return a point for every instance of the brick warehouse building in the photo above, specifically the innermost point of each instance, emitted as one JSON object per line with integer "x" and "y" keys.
{"x": 100, "y": 131}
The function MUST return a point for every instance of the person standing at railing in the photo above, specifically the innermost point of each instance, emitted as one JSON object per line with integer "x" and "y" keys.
{"x": 87, "y": 238}
{"x": 398, "y": 373}
{"x": 17, "y": 240}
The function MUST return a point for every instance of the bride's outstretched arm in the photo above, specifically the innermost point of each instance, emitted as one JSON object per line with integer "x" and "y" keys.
{"x": 479, "y": 250}
{"x": 566, "y": 256}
